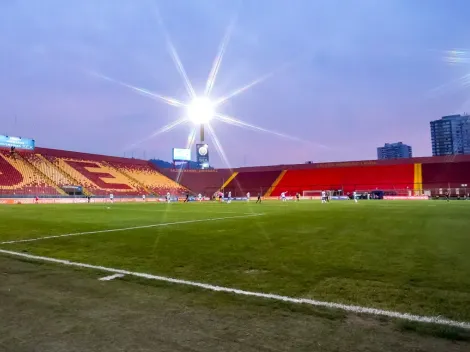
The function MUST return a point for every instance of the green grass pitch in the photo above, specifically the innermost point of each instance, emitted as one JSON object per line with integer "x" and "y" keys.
{"x": 406, "y": 256}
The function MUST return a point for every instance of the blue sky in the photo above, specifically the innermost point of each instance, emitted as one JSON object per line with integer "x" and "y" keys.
{"x": 361, "y": 73}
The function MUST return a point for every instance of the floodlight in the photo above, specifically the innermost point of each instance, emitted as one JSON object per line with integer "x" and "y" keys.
{"x": 201, "y": 110}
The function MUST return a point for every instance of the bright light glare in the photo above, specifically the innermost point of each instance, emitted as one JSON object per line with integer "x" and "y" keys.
{"x": 201, "y": 110}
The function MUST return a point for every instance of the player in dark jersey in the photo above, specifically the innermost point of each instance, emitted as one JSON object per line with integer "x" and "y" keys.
{"x": 259, "y": 198}
{"x": 447, "y": 196}
{"x": 187, "y": 198}
{"x": 297, "y": 196}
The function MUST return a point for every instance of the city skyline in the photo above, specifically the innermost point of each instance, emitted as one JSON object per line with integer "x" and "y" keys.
{"x": 335, "y": 82}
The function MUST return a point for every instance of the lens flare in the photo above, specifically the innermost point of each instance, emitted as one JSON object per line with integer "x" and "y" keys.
{"x": 200, "y": 110}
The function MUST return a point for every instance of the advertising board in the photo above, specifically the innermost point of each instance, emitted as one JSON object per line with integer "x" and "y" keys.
{"x": 180, "y": 154}
{"x": 17, "y": 142}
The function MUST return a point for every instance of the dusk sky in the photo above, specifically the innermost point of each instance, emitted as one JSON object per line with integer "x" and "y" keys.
{"x": 349, "y": 75}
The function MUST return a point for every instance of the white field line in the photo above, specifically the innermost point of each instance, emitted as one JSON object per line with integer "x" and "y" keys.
{"x": 312, "y": 302}
{"x": 130, "y": 228}
{"x": 111, "y": 277}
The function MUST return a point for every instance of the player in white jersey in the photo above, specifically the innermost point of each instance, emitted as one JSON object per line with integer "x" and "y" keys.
{"x": 283, "y": 196}
{"x": 229, "y": 197}
{"x": 143, "y": 197}
{"x": 323, "y": 196}
{"x": 111, "y": 198}
{"x": 248, "y": 195}
{"x": 355, "y": 196}
{"x": 199, "y": 197}
{"x": 168, "y": 195}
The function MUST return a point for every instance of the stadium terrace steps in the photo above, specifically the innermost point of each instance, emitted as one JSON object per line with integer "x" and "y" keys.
{"x": 206, "y": 182}
{"x": 275, "y": 183}
{"x": 348, "y": 179}
{"x": 45, "y": 171}
{"x": 38, "y": 170}
{"x": 446, "y": 175}
{"x": 99, "y": 179}
{"x": 18, "y": 178}
{"x": 252, "y": 181}
{"x": 126, "y": 174}
{"x": 59, "y": 176}
{"x": 226, "y": 183}
{"x": 147, "y": 176}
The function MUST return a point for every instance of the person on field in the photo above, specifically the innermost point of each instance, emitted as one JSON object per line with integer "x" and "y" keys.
{"x": 259, "y": 198}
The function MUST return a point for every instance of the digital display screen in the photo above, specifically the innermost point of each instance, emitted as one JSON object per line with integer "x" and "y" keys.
{"x": 17, "y": 142}
{"x": 181, "y": 154}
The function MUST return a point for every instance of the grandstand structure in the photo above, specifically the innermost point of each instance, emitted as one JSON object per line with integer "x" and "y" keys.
{"x": 49, "y": 172}
{"x": 401, "y": 177}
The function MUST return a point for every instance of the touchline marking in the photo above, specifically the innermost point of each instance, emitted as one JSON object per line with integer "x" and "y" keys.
{"x": 312, "y": 302}
{"x": 130, "y": 228}
{"x": 111, "y": 277}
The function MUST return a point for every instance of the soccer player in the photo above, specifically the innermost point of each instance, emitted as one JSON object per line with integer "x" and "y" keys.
{"x": 297, "y": 195}
{"x": 259, "y": 198}
{"x": 186, "y": 200}
{"x": 323, "y": 196}
{"x": 143, "y": 197}
{"x": 355, "y": 196}
{"x": 229, "y": 197}
{"x": 199, "y": 197}
{"x": 168, "y": 195}
{"x": 111, "y": 198}
{"x": 283, "y": 196}
{"x": 221, "y": 195}
{"x": 248, "y": 196}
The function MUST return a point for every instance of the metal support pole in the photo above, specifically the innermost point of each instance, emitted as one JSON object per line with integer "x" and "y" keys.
{"x": 202, "y": 132}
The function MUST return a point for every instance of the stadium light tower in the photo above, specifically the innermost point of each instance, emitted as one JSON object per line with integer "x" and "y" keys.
{"x": 201, "y": 111}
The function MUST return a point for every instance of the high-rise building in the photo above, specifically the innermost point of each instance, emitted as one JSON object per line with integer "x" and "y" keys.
{"x": 394, "y": 151}
{"x": 451, "y": 135}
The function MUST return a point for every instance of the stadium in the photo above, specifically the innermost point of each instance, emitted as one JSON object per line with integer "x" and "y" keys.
{"x": 398, "y": 256}
{"x": 48, "y": 174}
{"x": 236, "y": 243}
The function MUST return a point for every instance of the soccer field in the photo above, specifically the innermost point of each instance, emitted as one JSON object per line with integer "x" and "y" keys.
{"x": 407, "y": 257}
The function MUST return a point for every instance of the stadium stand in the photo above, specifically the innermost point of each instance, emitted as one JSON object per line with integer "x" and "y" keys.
{"x": 148, "y": 178}
{"x": 252, "y": 181}
{"x": 44, "y": 172}
{"x": 348, "y": 179}
{"x": 44, "y": 166}
{"x": 96, "y": 177}
{"x": 19, "y": 178}
{"x": 206, "y": 182}
{"x": 440, "y": 177}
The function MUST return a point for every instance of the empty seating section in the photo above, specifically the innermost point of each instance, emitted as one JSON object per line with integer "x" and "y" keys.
{"x": 348, "y": 179}
{"x": 205, "y": 182}
{"x": 44, "y": 171}
{"x": 97, "y": 177}
{"x": 19, "y": 179}
{"x": 48, "y": 169}
{"x": 252, "y": 181}
{"x": 440, "y": 177}
{"x": 147, "y": 176}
